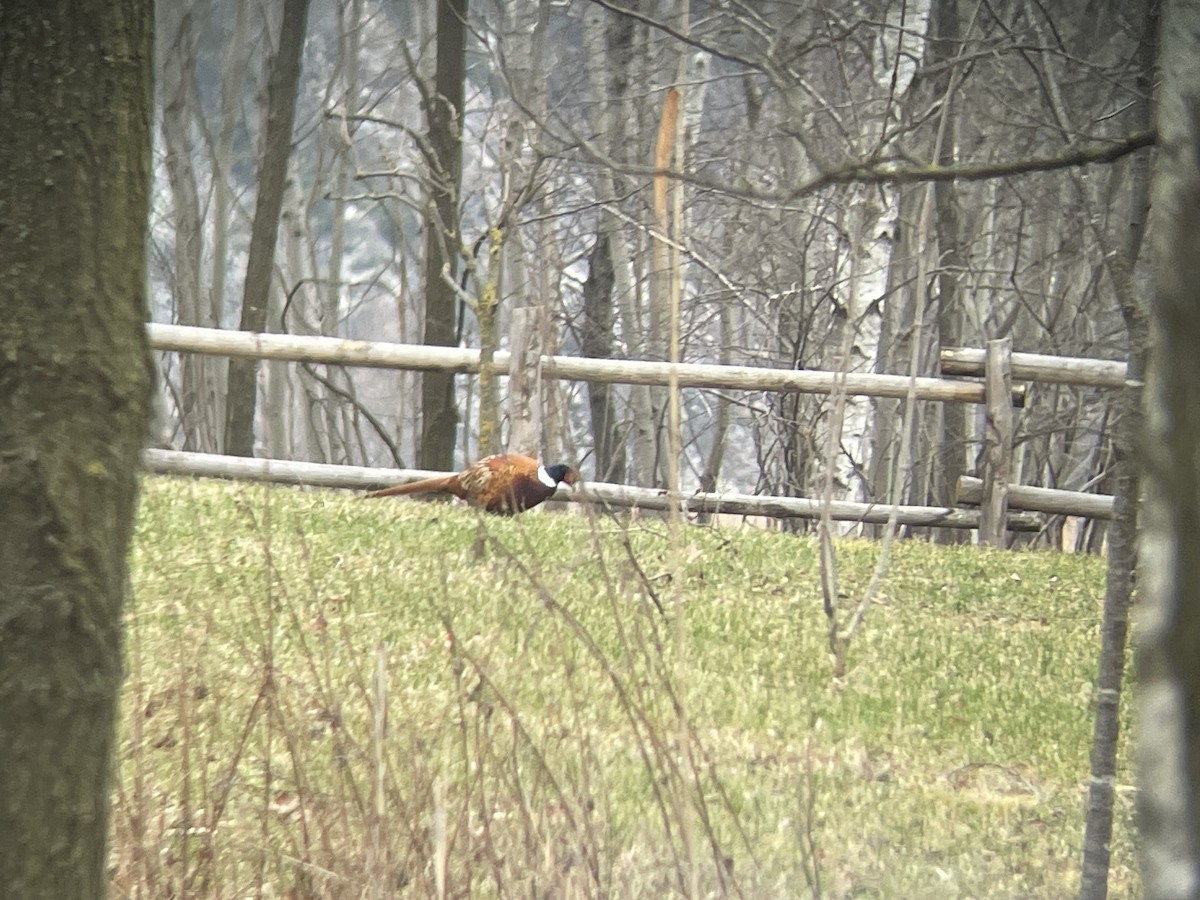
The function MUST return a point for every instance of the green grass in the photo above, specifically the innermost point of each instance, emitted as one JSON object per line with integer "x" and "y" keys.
{"x": 548, "y": 734}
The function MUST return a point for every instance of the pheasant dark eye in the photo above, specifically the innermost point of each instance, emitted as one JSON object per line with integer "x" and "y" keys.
{"x": 505, "y": 483}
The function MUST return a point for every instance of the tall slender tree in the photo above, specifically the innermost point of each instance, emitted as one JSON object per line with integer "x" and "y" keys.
{"x": 944, "y": 45}
{"x": 439, "y": 412}
{"x": 177, "y": 54}
{"x": 282, "y": 85}
{"x": 75, "y": 382}
{"x": 596, "y": 340}
{"x": 1120, "y": 262}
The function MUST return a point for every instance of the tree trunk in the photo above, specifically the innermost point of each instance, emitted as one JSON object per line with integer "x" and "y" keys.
{"x": 626, "y": 44}
{"x": 487, "y": 314}
{"x": 75, "y": 385}
{"x": 596, "y": 341}
{"x": 900, "y": 311}
{"x": 609, "y": 39}
{"x": 213, "y": 370}
{"x": 198, "y": 402}
{"x": 439, "y": 412}
{"x": 658, "y": 285}
{"x": 1168, "y": 667}
{"x": 1128, "y": 428}
{"x": 951, "y": 262}
{"x": 282, "y": 86}
{"x": 234, "y": 63}
{"x": 339, "y": 383}
{"x": 720, "y": 424}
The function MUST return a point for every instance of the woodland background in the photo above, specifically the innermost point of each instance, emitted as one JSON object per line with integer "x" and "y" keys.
{"x": 851, "y": 188}
{"x": 819, "y": 226}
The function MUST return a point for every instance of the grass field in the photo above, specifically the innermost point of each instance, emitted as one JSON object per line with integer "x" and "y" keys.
{"x": 336, "y": 698}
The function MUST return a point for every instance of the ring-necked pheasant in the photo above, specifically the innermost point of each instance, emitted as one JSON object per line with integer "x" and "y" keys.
{"x": 505, "y": 483}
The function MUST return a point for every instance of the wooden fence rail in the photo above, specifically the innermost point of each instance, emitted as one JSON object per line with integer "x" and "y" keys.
{"x": 281, "y": 471}
{"x": 996, "y": 391}
{"x": 969, "y": 490}
{"x": 1039, "y": 367}
{"x": 418, "y": 357}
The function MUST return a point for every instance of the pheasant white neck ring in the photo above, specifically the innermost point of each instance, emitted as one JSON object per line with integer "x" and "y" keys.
{"x": 545, "y": 477}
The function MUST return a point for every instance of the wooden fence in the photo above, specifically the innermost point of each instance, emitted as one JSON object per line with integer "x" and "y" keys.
{"x": 997, "y": 366}
{"x": 421, "y": 358}
{"x": 602, "y": 495}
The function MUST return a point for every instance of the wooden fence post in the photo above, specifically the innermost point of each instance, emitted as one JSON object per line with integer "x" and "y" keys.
{"x": 997, "y": 443}
{"x": 525, "y": 382}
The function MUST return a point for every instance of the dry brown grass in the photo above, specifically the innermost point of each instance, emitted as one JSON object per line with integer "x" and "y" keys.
{"x": 331, "y": 698}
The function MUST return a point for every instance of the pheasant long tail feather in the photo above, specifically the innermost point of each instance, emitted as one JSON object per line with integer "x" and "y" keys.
{"x": 446, "y": 483}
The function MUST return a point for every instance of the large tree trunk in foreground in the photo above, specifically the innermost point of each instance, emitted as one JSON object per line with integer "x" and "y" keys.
{"x": 260, "y": 265}
{"x": 75, "y": 377}
{"x": 1167, "y": 659}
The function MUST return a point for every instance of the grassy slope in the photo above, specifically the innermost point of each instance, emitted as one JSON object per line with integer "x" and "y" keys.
{"x": 532, "y": 742}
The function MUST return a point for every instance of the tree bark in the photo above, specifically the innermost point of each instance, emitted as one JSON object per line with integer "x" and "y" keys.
{"x": 596, "y": 340}
{"x": 487, "y": 314}
{"x": 951, "y": 262}
{"x": 609, "y": 41}
{"x": 896, "y": 335}
{"x": 439, "y": 412}
{"x": 1168, "y": 670}
{"x": 1128, "y": 427}
{"x": 204, "y": 379}
{"x": 198, "y": 404}
{"x": 75, "y": 384}
{"x": 282, "y": 85}
{"x": 626, "y": 45}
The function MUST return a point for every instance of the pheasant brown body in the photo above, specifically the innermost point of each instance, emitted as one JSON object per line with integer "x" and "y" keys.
{"x": 505, "y": 483}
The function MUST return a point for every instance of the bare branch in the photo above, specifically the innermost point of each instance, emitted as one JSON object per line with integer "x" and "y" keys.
{"x": 914, "y": 172}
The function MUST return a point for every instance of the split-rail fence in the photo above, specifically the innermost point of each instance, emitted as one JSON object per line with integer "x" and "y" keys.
{"x": 990, "y": 377}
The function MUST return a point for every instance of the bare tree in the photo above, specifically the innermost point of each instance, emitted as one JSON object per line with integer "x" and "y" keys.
{"x": 608, "y": 46}
{"x": 224, "y": 212}
{"x": 439, "y": 410}
{"x": 75, "y": 386}
{"x": 945, "y": 45}
{"x": 596, "y": 340}
{"x": 282, "y": 85}
{"x": 198, "y": 404}
{"x": 1120, "y": 253}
